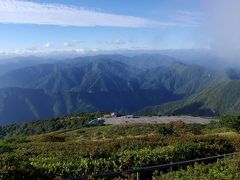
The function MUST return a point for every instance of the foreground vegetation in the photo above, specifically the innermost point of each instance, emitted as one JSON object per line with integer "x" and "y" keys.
{"x": 227, "y": 168}
{"x": 72, "y": 121}
{"x": 73, "y": 151}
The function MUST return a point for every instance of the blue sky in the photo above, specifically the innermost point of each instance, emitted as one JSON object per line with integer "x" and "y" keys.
{"x": 92, "y": 25}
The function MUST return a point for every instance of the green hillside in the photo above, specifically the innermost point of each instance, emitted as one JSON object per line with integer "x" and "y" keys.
{"x": 92, "y": 76}
{"x": 182, "y": 79}
{"x": 73, "y": 121}
{"x": 218, "y": 100}
{"x": 66, "y": 148}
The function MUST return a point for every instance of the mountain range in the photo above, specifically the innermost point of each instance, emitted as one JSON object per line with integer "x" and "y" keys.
{"x": 147, "y": 83}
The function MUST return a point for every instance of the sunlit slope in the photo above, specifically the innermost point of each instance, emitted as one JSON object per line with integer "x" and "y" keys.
{"x": 218, "y": 100}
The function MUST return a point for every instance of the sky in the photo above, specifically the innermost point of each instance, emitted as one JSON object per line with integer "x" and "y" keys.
{"x": 32, "y": 26}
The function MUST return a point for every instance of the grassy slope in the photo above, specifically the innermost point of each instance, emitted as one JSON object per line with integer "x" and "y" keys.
{"x": 73, "y": 121}
{"x": 90, "y": 150}
{"x": 74, "y": 150}
{"x": 227, "y": 168}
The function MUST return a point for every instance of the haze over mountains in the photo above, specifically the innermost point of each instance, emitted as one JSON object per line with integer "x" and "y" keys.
{"x": 41, "y": 89}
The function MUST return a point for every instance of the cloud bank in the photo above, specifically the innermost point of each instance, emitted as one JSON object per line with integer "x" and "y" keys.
{"x": 24, "y": 12}
{"x": 224, "y": 26}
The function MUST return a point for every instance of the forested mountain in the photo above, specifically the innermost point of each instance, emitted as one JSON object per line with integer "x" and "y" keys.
{"x": 218, "y": 100}
{"x": 30, "y": 104}
{"x": 182, "y": 79}
{"x": 102, "y": 83}
{"x": 114, "y": 73}
{"x": 18, "y": 105}
{"x": 92, "y": 76}
{"x": 14, "y": 63}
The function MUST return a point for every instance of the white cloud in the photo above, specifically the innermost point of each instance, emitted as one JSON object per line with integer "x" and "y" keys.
{"x": 72, "y": 43}
{"x": 118, "y": 41}
{"x": 18, "y": 52}
{"x": 86, "y": 50}
{"x": 223, "y": 27}
{"x": 81, "y": 50}
{"x": 24, "y": 12}
{"x": 94, "y": 50}
{"x": 47, "y": 45}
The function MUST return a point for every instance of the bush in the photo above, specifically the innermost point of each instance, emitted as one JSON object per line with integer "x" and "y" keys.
{"x": 232, "y": 122}
{"x": 53, "y": 138}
